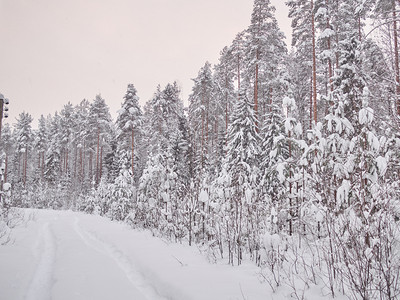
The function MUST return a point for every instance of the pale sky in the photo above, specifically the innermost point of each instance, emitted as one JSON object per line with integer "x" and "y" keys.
{"x": 55, "y": 51}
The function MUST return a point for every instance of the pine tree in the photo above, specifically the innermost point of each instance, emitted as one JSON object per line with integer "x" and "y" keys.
{"x": 224, "y": 84}
{"x": 7, "y": 143}
{"x": 53, "y": 159}
{"x": 24, "y": 141}
{"x": 66, "y": 127}
{"x": 97, "y": 134}
{"x": 41, "y": 145}
{"x": 200, "y": 105}
{"x": 128, "y": 124}
{"x": 265, "y": 54}
{"x": 302, "y": 77}
{"x": 80, "y": 141}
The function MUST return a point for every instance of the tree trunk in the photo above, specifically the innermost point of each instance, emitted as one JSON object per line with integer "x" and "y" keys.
{"x": 202, "y": 128}
{"x": 330, "y": 71}
{"x": 83, "y": 160}
{"x": 25, "y": 165}
{"x": 81, "y": 163}
{"x": 97, "y": 156}
{"x": 101, "y": 163}
{"x": 43, "y": 164}
{"x": 226, "y": 107}
{"x": 290, "y": 192}
{"x": 238, "y": 74}
{"x": 207, "y": 124}
{"x": 66, "y": 162}
{"x": 90, "y": 171}
{"x": 311, "y": 102}
{"x": 314, "y": 62}
{"x": 75, "y": 160}
{"x": 39, "y": 162}
{"x": 256, "y": 90}
{"x": 133, "y": 153}
{"x": 396, "y": 58}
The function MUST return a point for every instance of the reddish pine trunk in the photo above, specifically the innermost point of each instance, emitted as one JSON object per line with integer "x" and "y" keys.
{"x": 311, "y": 102}
{"x": 19, "y": 165}
{"x": 226, "y": 106}
{"x": 207, "y": 121}
{"x": 396, "y": 57}
{"x": 75, "y": 161}
{"x": 39, "y": 160}
{"x": 202, "y": 130}
{"x": 83, "y": 161}
{"x": 328, "y": 26}
{"x": 290, "y": 192}
{"x": 238, "y": 75}
{"x": 133, "y": 153}
{"x": 25, "y": 165}
{"x": 215, "y": 140}
{"x": 314, "y": 63}
{"x": 101, "y": 163}
{"x": 256, "y": 91}
{"x": 66, "y": 162}
{"x": 80, "y": 163}
{"x": 90, "y": 166}
{"x": 98, "y": 156}
{"x": 42, "y": 164}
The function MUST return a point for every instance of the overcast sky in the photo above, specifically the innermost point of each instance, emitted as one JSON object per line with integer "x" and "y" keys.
{"x": 55, "y": 51}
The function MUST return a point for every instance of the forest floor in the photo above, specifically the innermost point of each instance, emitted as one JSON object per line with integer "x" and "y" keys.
{"x": 69, "y": 255}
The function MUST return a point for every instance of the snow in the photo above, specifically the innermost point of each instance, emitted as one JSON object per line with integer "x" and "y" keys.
{"x": 248, "y": 196}
{"x": 343, "y": 193}
{"x": 366, "y": 115}
{"x": 382, "y": 165}
{"x": 69, "y": 255}
{"x": 288, "y": 102}
{"x": 327, "y": 33}
{"x": 321, "y": 12}
{"x": 373, "y": 141}
{"x": 203, "y": 197}
{"x": 271, "y": 241}
{"x": 41, "y": 283}
{"x": 7, "y": 186}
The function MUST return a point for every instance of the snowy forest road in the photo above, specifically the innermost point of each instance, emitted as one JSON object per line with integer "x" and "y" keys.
{"x": 72, "y": 263}
{"x": 69, "y": 255}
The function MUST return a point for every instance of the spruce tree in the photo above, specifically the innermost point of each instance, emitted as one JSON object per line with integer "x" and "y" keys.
{"x": 241, "y": 164}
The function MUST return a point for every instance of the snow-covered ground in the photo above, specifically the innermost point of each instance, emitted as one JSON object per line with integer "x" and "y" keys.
{"x": 69, "y": 255}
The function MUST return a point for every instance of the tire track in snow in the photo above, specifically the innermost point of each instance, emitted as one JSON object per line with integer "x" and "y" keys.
{"x": 122, "y": 261}
{"x": 42, "y": 281}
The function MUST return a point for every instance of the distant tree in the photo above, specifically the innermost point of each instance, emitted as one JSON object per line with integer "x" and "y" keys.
{"x": 303, "y": 77}
{"x": 129, "y": 123}
{"x": 264, "y": 56}
{"x": 41, "y": 144}
{"x": 97, "y": 133}
{"x": 52, "y": 172}
{"x": 24, "y": 139}
{"x": 200, "y": 114}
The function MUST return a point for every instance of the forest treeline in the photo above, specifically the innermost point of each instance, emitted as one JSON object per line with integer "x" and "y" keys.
{"x": 288, "y": 158}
